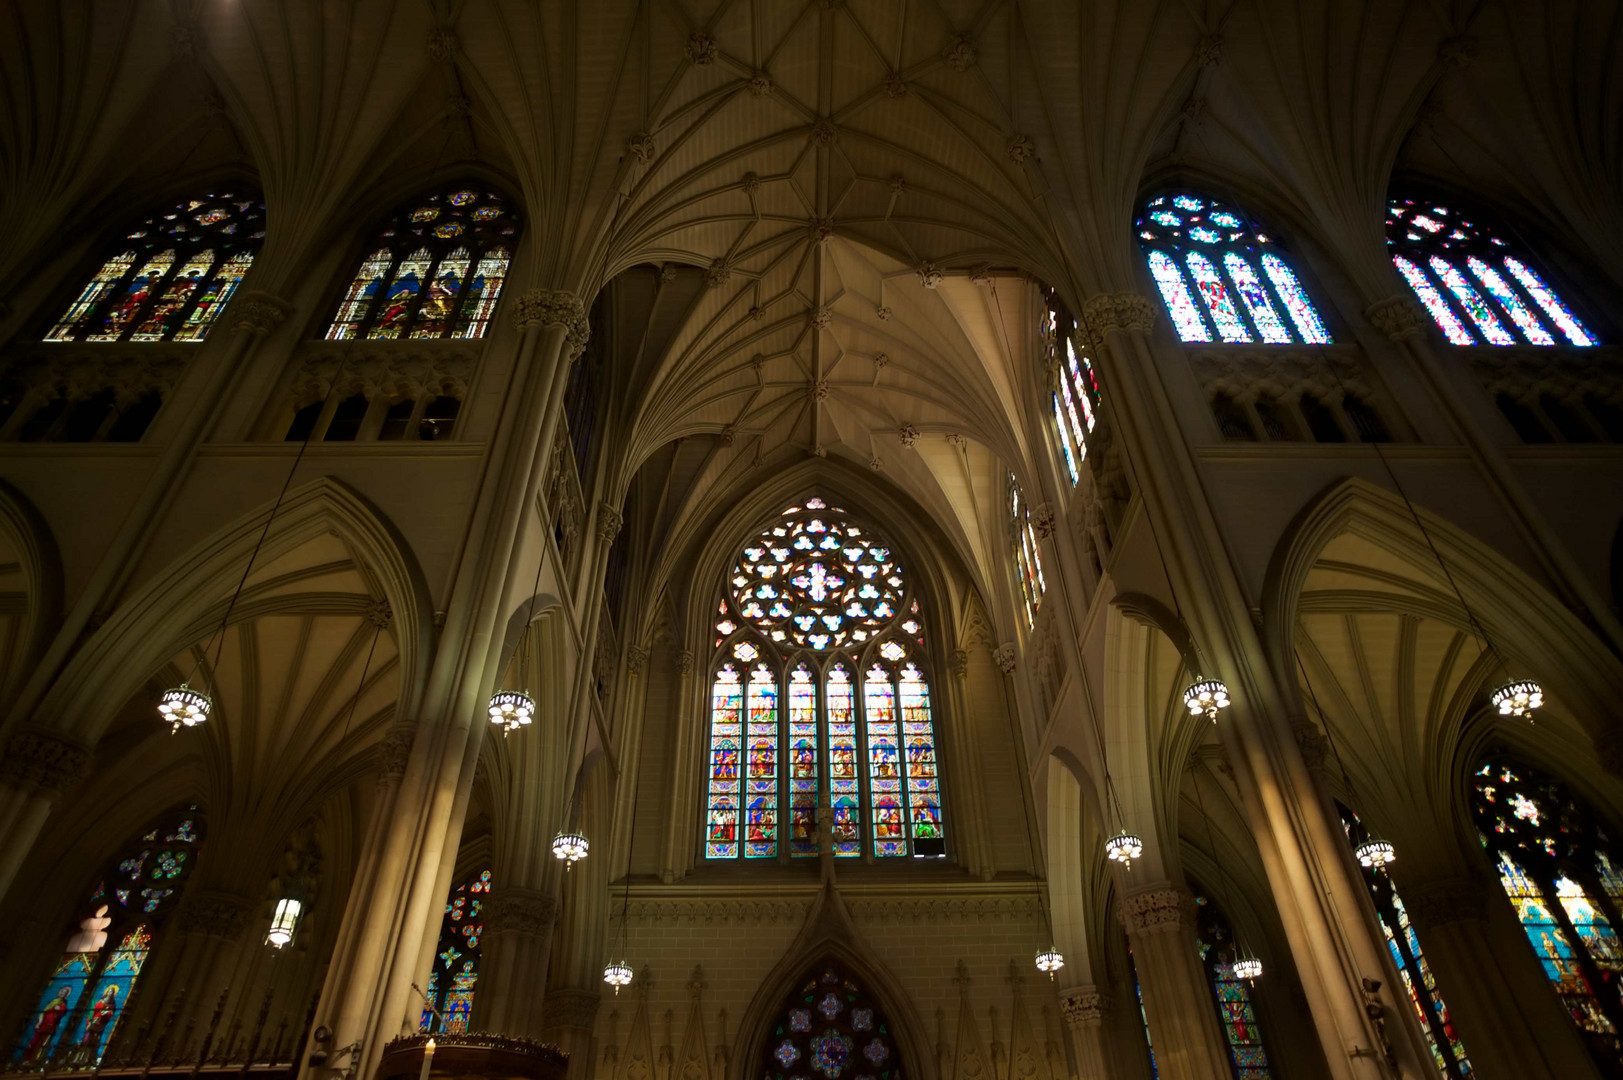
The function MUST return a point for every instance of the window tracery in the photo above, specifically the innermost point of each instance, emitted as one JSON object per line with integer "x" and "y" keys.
{"x": 79, "y": 1008}
{"x": 435, "y": 271}
{"x": 830, "y": 1028}
{"x": 1474, "y": 285}
{"x": 1232, "y": 995}
{"x": 1075, "y": 400}
{"x": 1028, "y": 559}
{"x": 1217, "y": 271}
{"x": 1560, "y": 869}
{"x": 455, "y": 973}
{"x": 169, "y": 279}
{"x": 820, "y": 694}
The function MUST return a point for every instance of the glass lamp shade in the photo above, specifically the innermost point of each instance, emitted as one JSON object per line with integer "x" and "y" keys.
{"x": 617, "y": 973}
{"x": 1050, "y": 960}
{"x": 1375, "y": 854}
{"x": 1124, "y": 847}
{"x": 570, "y": 847}
{"x": 184, "y": 707}
{"x": 283, "y": 923}
{"x": 1518, "y": 698}
{"x": 1207, "y": 697}
{"x": 1248, "y": 967}
{"x": 511, "y": 709}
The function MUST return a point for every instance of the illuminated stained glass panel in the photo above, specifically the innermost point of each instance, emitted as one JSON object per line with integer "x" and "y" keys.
{"x": 1219, "y": 304}
{"x": 1302, "y": 312}
{"x": 483, "y": 292}
{"x": 1258, "y": 304}
{"x": 829, "y": 1029}
{"x": 213, "y": 297}
{"x": 923, "y": 785}
{"x": 884, "y": 770}
{"x": 845, "y": 791}
{"x": 455, "y": 973}
{"x": 803, "y": 757}
{"x": 761, "y": 781}
{"x": 400, "y": 298}
{"x": 1028, "y": 560}
{"x": 112, "y": 993}
{"x": 1554, "y": 307}
{"x": 1175, "y": 293}
{"x": 439, "y": 302}
{"x": 117, "y": 320}
{"x": 1235, "y": 1014}
{"x": 1510, "y": 301}
{"x": 1433, "y": 300}
{"x": 48, "y": 1025}
{"x": 1554, "y": 949}
{"x": 97, "y": 289}
{"x": 363, "y": 292}
{"x": 726, "y": 743}
{"x": 1487, "y": 322}
{"x": 1065, "y": 440}
{"x": 161, "y": 318}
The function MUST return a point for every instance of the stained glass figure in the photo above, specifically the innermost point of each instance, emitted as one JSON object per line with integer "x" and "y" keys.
{"x": 845, "y": 787}
{"x": 830, "y": 1029}
{"x": 1076, "y": 397}
{"x": 437, "y": 270}
{"x": 1028, "y": 559}
{"x": 918, "y": 741}
{"x": 726, "y": 744}
{"x": 1235, "y": 1014}
{"x": 168, "y": 279}
{"x": 1556, "y": 863}
{"x": 884, "y": 771}
{"x": 455, "y": 973}
{"x": 761, "y": 782}
{"x": 1436, "y": 1023}
{"x": 1474, "y": 288}
{"x": 803, "y": 755}
{"x": 1201, "y": 247}
{"x": 78, "y": 1010}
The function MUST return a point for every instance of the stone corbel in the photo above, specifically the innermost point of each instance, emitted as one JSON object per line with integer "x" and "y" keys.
{"x": 1083, "y": 1006}
{"x": 43, "y": 763}
{"x": 258, "y": 313}
{"x": 519, "y": 911}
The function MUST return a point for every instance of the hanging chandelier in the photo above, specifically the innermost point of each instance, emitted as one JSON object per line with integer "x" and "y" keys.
{"x": 1124, "y": 847}
{"x": 1050, "y": 960}
{"x": 571, "y": 847}
{"x": 1206, "y": 697}
{"x": 1518, "y": 698}
{"x": 1375, "y": 854}
{"x": 184, "y": 707}
{"x": 512, "y": 710}
{"x": 283, "y": 923}
{"x": 617, "y": 973}
{"x": 1248, "y": 968}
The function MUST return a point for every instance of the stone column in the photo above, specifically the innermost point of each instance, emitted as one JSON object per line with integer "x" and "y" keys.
{"x": 672, "y": 859}
{"x": 518, "y": 937}
{"x": 1177, "y": 997}
{"x": 571, "y": 1014}
{"x": 36, "y": 767}
{"x": 1084, "y": 1009}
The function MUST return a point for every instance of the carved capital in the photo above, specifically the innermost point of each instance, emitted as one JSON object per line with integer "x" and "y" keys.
{"x": 519, "y": 911}
{"x": 394, "y": 751}
{"x": 1398, "y": 317}
{"x": 608, "y": 523}
{"x": 684, "y": 663}
{"x": 1083, "y": 1006}
{"x": 42, "y": 762}
{"x": 575, "y": 1009}
{"x": 1108, "y": 312}
{"x": 1445, "y": 901}
{"x": 1004, "y": 657}
{"x": 960, "y": 662}
{"x": 1312, "y": 742}
{"x": 578, "y": 334}
{"x": 258, "y": 312}
{"x": 546, "y": 307}
{"x": 636, "y": 659}
{"x": 930, "y": 275}
{"x": 214, "y": 913}
{"x": 1158, "y": 911}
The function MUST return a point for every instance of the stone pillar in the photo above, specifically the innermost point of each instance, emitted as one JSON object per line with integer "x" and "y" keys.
{"x": 36, "y": 767}
{"x": 518, "y": 937}
{"x": 1084, "y": 1009}
{"x": 1177, "y": 997}
{"x": 1511, "y": 1023}
{"x": 570, "y": 1015}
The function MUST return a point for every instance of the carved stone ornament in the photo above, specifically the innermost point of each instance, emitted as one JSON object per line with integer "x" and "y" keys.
{"x": 1209, "y": 53}
{"x": 394, "y": 751}
{"x": 546, "y": 307}
{"x": 880, "y": 361}
{"x": 960, "y": 662}
{"x": 981, "y": 276}
{"x": 895, "y": 85}
{"x": 575, "y": 1009}
{"x": 959, "y": 54}
{"x": 930, "y": 275}
{"x": 42, "y": 762}
{"x": 729, "y": 435}
{"x": 684, "y": 663}
{"x": 442, "y": 45}
{"x": 883, "y": 314}
{"x": 956, "y": 439}
{"x": 1021, "y": 149}
{"x": 1440, "y": 903}
{"x": 820, "y": 390}
{"x": 1119, "y": 311}
{"x": 1398, "y": 317}
{"x": 214, "y": 914}
{"x": 1158, "y": 911}
{"x": 752, "y": 182}
{"x": 667, "y": 273}
{"x": 1043, "y": 520}
{"x": 821, "y": 230}
{"x": 379, "y": 614}
{"x": 718, "y": 273}
{"x": 1312, "y": 742}
{"x": 824, "y": 134}
{"x": 519, "y": 911}
{"x": 760, "y": 84}
{"x": 876, "y": 463}
{"x": 820, "y": 317}
{"x": 608, "y": 523}
{"x": 636, "y": 659}
{"x": 907, "y": 435}
{"x": 701, "y": 48}
{"x": 185, "y": 40}
{"x": 1083, "y": 1006}
{"x": 458, "y": 105}
{"x": 1004, "y": 657}
{"x": 642, "y": 147}
{"x": 258, "y": 312}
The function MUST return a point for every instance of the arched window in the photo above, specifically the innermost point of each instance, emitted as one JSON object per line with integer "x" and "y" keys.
{"x": 1143, "y": 1017}
{"x": 80, "y": 1007}
{"x": 169, "y": 279}
{"x": 1478, "y": 289}
{"x": 830, "y": 1028}
{"x": 456, "y": 960}
{"x": 1235, "y": 1014}
{"x": 1565, "y": 880}
{"x": 435, "y": 271}
{"x": 1435, "y": 1022}
{"x": 1028, "y": 559}
{"x": 818, "y": 604}
{"x": 1201, "y": 247}
{"x": 1075, "y": 399}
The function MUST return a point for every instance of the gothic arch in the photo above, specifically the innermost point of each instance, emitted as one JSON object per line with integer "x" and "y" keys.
{"x": 30, "y": 588}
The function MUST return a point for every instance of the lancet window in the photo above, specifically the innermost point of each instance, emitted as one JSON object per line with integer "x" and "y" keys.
{"x": 1564, "y": 876}
{"x": 435, "y": 271}
{"x": 1479, "y": 289}
{"x": 1028, "y": 559}
{"x": 455, "y": 972}
{"x": 1447, "y": 1052}
{"x": 820, "y": 693}
{"x": 78, "y": 1011}
{"x": 1221, "y": 277}
{"x": 169, "y": 278}
{"x": 1235, "y": 1013}
{"x": 1075, "y": 397}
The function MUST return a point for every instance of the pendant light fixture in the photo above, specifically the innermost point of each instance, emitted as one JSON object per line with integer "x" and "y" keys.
{"x": 1049, "y": 961}
{"x": 283, "y": 923}
{"x": 1518, "y": 698}
{"x": 570, "y": 847}
{"x": 1248, "y": 967}
{"x": 617, "y": 973}
{"x": 1124, "y": 847}
{"x": 513, "y": 710}
{"x": 1206, "y": 697}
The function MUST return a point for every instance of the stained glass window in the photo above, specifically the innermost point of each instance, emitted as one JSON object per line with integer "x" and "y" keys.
{"x": 816, "y": 609}
{"x": 436, "y": 271}
{"x": 1235, "y": 1014}
{"x": 830, "y": 1028}
{"x": 1216, "y": 270}
{"x": 1473, "y": 286}
{"x": 1144, "y": 1017}
{"x": 455, "y": 972}
{"x": 169, "y": 278}
{"x": 1075, "y": 398}
{"x": 1447, "y": 1053}
{"x": 1557, "y": 864}
{"x": 1028, "y": 559}
{"x": 77, "y": 1012}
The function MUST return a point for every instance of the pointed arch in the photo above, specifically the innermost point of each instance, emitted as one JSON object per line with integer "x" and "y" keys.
{"x": 30, "y": 588}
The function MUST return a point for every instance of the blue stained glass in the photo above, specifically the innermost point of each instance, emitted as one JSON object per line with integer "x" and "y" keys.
{"x": 1552, "y": 304}
{"x": 1167, "y": 218}
{"x": 1302, "y": 311}
{"x": 761, "y": 822}
{"x": 1434, "y": 303}
{"x": 1471, "y": 300}
{"x": 1258, "y": 303}
{"x": 1187, "y": 202}
{"x": 1205, "y": 236}
{"x": 1180, "y": 304}
{"x": 1218, "y": 303}
{"x": 726, "y": 740}
{"x": 1508, "y": 299}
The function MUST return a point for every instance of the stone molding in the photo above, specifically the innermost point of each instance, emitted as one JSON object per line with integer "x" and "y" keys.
{"x": 1398, "y": 317}
{"x": 571, "y": 1008}
{"x": 721, "y": 911}
{"x": 1525, "y": 375}
{"x": 79, "y": 371}
{"x": 258, "y": 312}
{"x": 42, "y": 762}
{"x": 1083, "y": 1006}
{"x": 516, "y": 910}
{"x": 960, "y": 662}
{"x": 1118, "y": 311}
{"x": 608, "y": 523}
{"x": 214, "y": 913}
{"x": 1446, "y": 901}
{"x": 636, "y": 659}
{"x": 695, "y": 911}
{"x": 971, "y": 909}
{"x": 1158, "y": 911}
{"x": 546, "y": 307}
{"x": 422, "y": 368}
{"x": 394, "y": 751}
{"x": 1004, "y": 657}
{"x": 1248, "y": 375}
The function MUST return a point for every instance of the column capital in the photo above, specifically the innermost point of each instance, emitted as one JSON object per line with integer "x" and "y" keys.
{"x": 1446, "y": 901}
{"x": 216, "y": 913}
{"x": 636, "y": 659}
{"x": 1004, "y": 657}
{"x": 608, "y": 523}
{"x": 519, "y": 910}
{"x": 1158, "y": 911}
{"x": 259, "y": 313}
{"x": 547, "y": 307}
{"x": 394, "y": 751}
{"x": 1083, "y": 1006}
{"x": 1118, "y": 311}
{"x": 42, "y": 762}
{"x": 1398, "y": 317}
{"x": 569, "y": 1008}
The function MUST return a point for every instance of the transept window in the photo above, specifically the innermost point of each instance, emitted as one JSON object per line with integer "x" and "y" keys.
{"x": 435, "y": 271}
{"x": 1447, "y": 1053}
{"x": 1028, "y": 559}
{"x": 830, "y": 1028}
{"x": 1476, "y": 287}
{"x": 1222, "y": 278}
{"x": 169, "y": 278}
{"x": 1564, "y": 877}
{"x": 1076, "y": 398}
{"x": 456, "y": 958}
{"x": 819, "y": 691}
{"x": 79, "y": 1009}
{"x": 1232, "y": 994}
